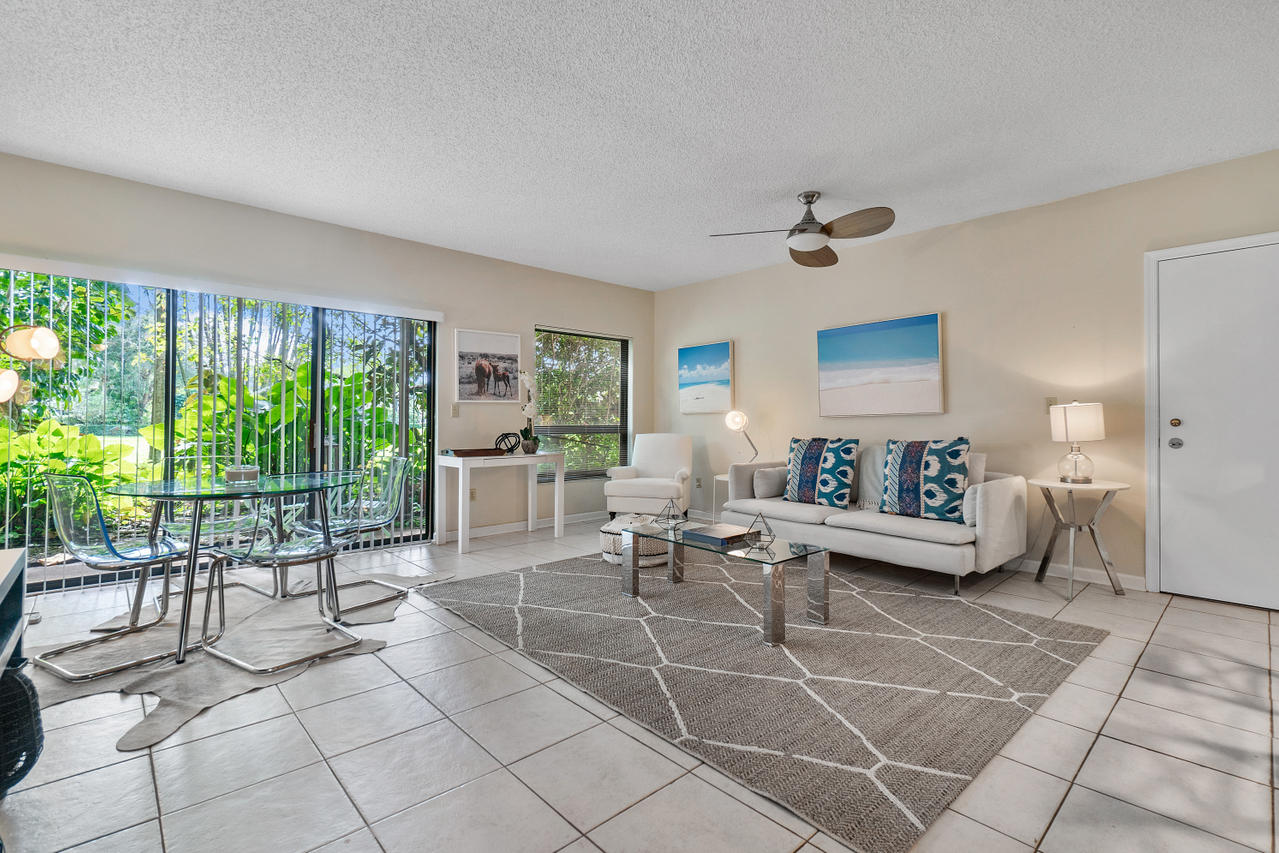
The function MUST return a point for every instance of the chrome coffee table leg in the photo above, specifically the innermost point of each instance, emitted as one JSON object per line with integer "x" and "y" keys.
{"x": 630, "y": 564}
{"x": 774, "y": 603}
{"x": 819, "y": 587}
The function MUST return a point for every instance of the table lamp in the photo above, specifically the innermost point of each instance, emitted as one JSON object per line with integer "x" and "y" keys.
{"x": 738, "y": 422}
{"x": 1075, "y": 422}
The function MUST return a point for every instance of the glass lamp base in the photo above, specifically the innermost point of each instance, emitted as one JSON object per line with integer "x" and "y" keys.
{"x": 1075, "y": 467}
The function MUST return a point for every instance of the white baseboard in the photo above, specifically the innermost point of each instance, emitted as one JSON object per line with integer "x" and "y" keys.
{"x": 1082, "y": 573}
{"x": 700, "y": 515}
{"x": 522, "y": 526}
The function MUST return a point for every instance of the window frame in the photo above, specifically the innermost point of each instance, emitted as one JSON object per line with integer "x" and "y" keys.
{"x": 623, "y": 428}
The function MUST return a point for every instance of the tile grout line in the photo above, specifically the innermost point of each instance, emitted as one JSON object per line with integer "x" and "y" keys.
{"x": 155, "y": 786}
{"x": 1096, "y": 737}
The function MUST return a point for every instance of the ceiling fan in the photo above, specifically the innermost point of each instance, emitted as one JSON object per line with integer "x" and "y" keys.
{"x": 807, "y": 239}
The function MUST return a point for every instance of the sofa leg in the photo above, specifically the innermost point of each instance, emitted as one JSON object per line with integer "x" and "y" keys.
{"x": 612, "y": 515}
{"x": 956, "y": 584}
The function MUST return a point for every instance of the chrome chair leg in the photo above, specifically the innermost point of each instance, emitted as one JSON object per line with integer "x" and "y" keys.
{"x": 352, "y": 640}
{"x": 44, "y": 660}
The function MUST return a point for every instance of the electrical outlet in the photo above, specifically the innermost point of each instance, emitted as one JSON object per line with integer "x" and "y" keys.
{"x": 1049, "y": 402}
{"x": 472, "y": 494}
{"x": 699, "y": 482}
{"x": 455, "y": 410}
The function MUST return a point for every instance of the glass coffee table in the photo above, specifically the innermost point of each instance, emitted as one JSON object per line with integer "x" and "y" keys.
{"x": 772, "y": 558}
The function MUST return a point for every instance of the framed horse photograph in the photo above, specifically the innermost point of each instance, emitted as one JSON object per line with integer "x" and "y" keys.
{"x": 488, "y": 366}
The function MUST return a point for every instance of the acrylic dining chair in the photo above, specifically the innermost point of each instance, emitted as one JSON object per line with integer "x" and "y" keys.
{"x": 78, "y": 520}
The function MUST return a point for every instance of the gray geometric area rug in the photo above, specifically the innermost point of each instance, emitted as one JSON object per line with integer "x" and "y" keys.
{"x": 866, "y": 727}
{"x": 261, "y": 629}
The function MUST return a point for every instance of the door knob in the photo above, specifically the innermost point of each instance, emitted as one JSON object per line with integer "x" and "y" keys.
{"x": 1175, "y": 422}
{"x": 1175, "y": 443}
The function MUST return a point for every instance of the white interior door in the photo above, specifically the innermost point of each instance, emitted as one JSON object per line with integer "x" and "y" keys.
{"x": 1219, "y": 467}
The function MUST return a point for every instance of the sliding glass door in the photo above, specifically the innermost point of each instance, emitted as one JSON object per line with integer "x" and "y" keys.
{"x": 160, "y": 383}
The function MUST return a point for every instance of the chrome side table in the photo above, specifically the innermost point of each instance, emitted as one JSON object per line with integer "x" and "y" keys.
{"x": 1107, "y": 489}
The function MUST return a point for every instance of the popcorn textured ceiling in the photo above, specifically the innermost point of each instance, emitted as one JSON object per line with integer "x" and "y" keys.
{"x": 607, "y": 139}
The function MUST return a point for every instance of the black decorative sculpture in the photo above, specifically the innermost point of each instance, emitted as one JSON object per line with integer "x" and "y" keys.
{"x": 507, "y": 442}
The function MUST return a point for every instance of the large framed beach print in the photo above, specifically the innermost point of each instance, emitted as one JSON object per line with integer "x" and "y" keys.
{"x": 705, "y": 378}
{"x": 889, "y": 367}
{"x": 488, "y": 366}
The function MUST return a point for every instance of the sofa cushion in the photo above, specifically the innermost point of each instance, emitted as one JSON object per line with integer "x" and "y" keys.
{"x": 784, "y": 509}
{"x": 926, "y": 479}
{"x": 643, "y": 487}
{"x": 923, "y": 529}
{"x": 770, "y": 482}
{"x": 820, "y": 471}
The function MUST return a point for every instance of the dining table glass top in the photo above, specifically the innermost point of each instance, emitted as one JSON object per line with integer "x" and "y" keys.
{"x": 214, "y": 488}
{"x": 768, "y": 551}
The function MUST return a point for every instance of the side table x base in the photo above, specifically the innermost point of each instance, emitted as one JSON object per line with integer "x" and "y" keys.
{"x": 1073, "y": 526}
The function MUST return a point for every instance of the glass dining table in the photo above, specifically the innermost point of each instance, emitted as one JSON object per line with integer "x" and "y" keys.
{"x": 200, "y": 491}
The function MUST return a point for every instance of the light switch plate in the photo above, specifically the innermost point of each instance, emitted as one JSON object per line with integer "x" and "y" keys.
{"x": 455, "y": 410}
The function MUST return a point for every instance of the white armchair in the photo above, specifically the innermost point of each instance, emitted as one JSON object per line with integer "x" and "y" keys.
{"x": 662, "y": 463}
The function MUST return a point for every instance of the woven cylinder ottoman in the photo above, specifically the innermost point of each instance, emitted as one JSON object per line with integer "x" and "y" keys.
{"x": 652, "y": 551}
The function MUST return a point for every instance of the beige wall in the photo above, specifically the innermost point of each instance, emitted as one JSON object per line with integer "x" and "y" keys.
{"x": 1045, "y": 301}
{"x": 71, "y": 215}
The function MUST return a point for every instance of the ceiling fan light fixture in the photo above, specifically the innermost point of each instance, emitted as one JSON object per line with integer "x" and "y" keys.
{"x": 807, "y": 241}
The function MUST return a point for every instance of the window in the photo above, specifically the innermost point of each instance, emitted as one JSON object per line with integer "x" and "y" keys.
{"x": 157, "y": 382}
{"x": 583, "y": 399}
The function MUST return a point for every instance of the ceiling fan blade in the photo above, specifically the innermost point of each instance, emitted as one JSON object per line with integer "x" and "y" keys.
{"x": 823, "y": 257}
{"x": 861, "y": 223}
{"x": 740, "y": 233}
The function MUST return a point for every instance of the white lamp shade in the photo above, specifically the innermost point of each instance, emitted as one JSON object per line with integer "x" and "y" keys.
{"x": 9, "y": 382}
{"x": 807, "y": 241}
{"x": 32, "y": 343}
{"x": 1074, "y": 422}
{"x": 736, "y": 421}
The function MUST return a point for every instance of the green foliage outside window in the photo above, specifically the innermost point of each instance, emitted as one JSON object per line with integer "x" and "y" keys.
{"x": 582, "y": 398}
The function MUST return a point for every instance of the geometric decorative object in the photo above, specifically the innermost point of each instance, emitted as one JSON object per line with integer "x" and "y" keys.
{"x": 705, "y": 376}
{"x": 889, "y": 367}
{"x": 760, "y": 534}
{"x": 670, "y": 517}
{"x": 507, "y": 441}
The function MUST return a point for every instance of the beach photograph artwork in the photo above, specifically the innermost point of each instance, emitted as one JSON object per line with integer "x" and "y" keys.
{"x": 890, "y": 367}
{"x": 706, "y": 378}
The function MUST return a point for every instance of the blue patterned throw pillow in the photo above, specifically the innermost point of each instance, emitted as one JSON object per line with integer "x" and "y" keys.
{"x": 820, "y": 471}
{"x": 926, "y": 479}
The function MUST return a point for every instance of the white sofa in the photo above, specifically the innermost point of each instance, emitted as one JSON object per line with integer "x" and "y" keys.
{"x": 658, "y": 474}
{"x": 993, "y": 532}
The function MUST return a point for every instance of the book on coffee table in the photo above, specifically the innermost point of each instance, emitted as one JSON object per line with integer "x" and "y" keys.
{"x": 717, "y": 534}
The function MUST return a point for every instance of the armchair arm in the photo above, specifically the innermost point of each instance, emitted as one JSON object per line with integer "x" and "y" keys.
{"x": 997, "y": 508}
{"x": 741, "y": 478}
{"x": 622, "y": 472}
{"x": 681, "y": 475}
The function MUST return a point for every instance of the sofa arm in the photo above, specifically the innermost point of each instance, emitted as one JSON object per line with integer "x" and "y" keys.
{"x": 622, "y": 472}
{"x": 998, "y": 510}
{"x": 681, "y": 475}
{"x": 741, "y": 478}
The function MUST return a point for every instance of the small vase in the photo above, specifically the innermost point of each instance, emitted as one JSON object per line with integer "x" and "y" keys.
{"x": 529, "y": 445}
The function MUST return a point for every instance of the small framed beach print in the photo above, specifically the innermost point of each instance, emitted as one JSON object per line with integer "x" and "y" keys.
{"x": 488, "y": 366}
{"x": 705, "y": 374}
{"x": 889, "y": 367}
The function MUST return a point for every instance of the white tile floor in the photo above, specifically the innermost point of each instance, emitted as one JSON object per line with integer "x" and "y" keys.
{"x": 446, "y": 740}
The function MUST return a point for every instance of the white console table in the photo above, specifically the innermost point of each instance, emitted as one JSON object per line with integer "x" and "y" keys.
{"x": 465, "y": 465}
